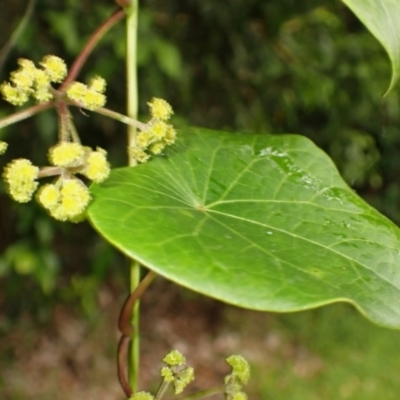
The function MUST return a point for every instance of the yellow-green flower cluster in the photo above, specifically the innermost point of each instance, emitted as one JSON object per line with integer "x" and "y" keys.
{"x": 29, "y": 80}
{"x": 20, "y": 176}
{"x": 83, "y": 160}
{"x": 240, "y": 367}
{"x": 66, "y": 200}
{"x": 174, "y": 358}
{"x": 66, "y": 154}
{"x": 68, "y": 197}
{"x": 177, "y": 372}
{"x": 239, "y": 376}
{"x": 3, "y": 147}
{"x": 89, "y": 96}
{"x": 157, "y": 132}
{"x": 160, "y": 109}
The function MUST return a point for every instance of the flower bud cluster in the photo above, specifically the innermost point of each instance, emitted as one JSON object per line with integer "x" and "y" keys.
{"x": 177, "y": 371}
{"x": 157, "y": 132}
{"x": 68, "y": 197}
{"x": 237, "y": 378}
{"x": 28, "y": 80}
{"x": 89, "y": 96}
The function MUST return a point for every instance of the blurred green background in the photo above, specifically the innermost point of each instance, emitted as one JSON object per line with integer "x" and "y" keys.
{"x": 273, "y": 66}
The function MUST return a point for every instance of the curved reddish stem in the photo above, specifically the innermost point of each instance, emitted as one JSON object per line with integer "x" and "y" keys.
{"x": 90, "y": 45}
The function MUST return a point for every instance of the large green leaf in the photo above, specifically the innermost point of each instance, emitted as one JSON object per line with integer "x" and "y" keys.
{"x": 259, "y": 221}
{"x": 382, "y": 18}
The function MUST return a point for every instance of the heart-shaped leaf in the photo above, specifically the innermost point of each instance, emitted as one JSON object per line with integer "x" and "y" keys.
{"x": 263, "y": 222}
{"x": 382, "y": 18}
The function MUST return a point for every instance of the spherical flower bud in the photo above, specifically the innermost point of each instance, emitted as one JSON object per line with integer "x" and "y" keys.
{"x": 13, "y": 95}
{"x": 159, "y": 129}
{"x": 170, "y": 135}
{"x": 93, "y": 100}
{"x": 89, "y": 98}
{"x": 160, "y": 109}
{"x": 97, "y": 167}
{"x": 167, "y": 374}
{"x": 240, "y": 367}
{"x": 67, "y": 154}
{"x": 98, "y": 84}
{"x": 20, "y": 176}
{"x": 22, "y": 79}
{"x": 26, "y": 65}
{"x": 183, "y": 378}
{"x": 3, "y": 147}
{"x": 77, "y": 91}
{"x": 157, "y": 148}
{"x": 239, "y": 396}
{"x": 144, "y": 139}
{"x": 138, "y": 154}
{"x": 142, "y": 396}
{"x": 49, "y": 196}
{"x": 174, "y": 357}
{"x": 54, "y": 67}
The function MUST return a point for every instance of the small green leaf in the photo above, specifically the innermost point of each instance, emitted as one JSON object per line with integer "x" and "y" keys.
{"x": 259, "y": 221}
{"x": 382, "y": 18}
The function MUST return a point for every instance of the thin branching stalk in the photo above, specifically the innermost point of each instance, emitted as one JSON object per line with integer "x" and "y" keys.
{"x": 121, "y": 118}
{"x": 24, "y": 114}
{"x": 132, "y": 110}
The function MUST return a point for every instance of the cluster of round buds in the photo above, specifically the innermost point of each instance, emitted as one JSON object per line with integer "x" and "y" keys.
{"x": 156, "y": 134}
{"x": 20, "y": 176}
{"x": 68, "y": 197}
{"x": 28, "y": 80}
{"x": 237, "y": 378}
{"x": 177, "y": 371}
{"x": 65, "y": 200}
{"x": 88, "y": 96}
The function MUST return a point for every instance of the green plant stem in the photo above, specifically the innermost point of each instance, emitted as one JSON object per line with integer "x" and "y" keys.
{"x": 24, "y": 114}
{"x": 204, "y": 393}
{"x": 161, "y": 390}
{"x": 132, "y": 110}
{"x": 131, "y": 70}
{"x": 121, "y": 118}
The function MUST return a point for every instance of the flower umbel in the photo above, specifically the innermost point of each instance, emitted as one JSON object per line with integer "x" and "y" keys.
{"x": 177, "y": 372}
{"x": 72, "y": 199}
{"x": 156, "y": 134}
{"x": 29, "y": 80}
{"x": 237, "y": 378}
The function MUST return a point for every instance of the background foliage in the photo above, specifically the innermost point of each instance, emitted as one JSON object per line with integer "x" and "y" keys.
{"x": 284, "y": 66}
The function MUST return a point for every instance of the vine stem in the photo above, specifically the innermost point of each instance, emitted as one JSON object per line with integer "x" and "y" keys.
{"x": 132, "y": 11}
{"x": 90, "y": 45}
